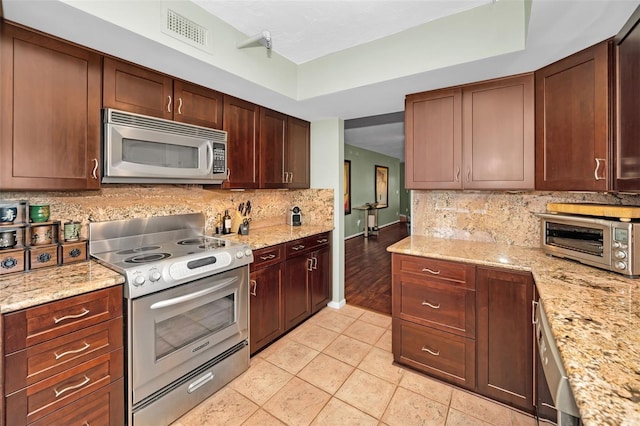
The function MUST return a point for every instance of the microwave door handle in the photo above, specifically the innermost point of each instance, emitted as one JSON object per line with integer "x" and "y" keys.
{"x": 210, "y": 154}
{"x": 192, "y": 296}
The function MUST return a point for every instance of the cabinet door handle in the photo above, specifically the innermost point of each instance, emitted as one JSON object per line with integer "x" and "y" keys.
{"x": 315, "y": 262}
{"x": 94, "y": 172}
{"x": 228, "y": 173}
{"x": 80, "y": 315}
{"x": 169, "y": 104}
{"x": 534, "y": 304}
{"x": 595, "y": 172}
{"x": 468, "y": 174}
{"x": 254, "y": 284}
{"x": 309, "y": 264}
{"x": 425, "y": 303}
{"x": 290, "y": 177}
{"x": 73, "y": 351}
{"x": 426, "y": 349}
{"x": 431, "y": 271}
{"x": 180, "y": 106}
{"x": 70, "y": 388}
{"x": 268, "y": 257}
{"x": 458, "y": 174}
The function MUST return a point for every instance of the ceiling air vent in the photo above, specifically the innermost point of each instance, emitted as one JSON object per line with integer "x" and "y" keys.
{"x": 185, "y": 29}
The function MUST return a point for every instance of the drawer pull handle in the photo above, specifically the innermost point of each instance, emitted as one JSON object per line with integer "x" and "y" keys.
{"x": 268, "y": 257}
{"x": 73, "y": 351}
{"x": 426, "y": 349}
{"x": 66, "y": 317}
{"x": 322, "y": 241}
{"x": 425, "y": 303}
{"x": 70, "y": 388}
{"x": 296, "y": 248}
{"x": 431, "y": 271}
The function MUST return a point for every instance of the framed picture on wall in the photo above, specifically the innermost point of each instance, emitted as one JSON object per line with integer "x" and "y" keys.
{"x": 382, "y": 186}
{"x": 347, "y": 187}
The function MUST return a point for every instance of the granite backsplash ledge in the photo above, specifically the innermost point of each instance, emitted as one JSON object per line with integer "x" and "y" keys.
{"x": 499, "y": 217}
{"x": 269, "y": 207}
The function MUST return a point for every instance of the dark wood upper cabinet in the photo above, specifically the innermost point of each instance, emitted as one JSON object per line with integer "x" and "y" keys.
{"x": 627, "y": 141}
{"x": 49, "y": 113}
{"x": 297, "y": 154}
{"x": 242, "y": 122}
{"x": 573, "y": 116}
{"x": 273, "y": 134}
{"x": 129, "y": 87}
{"x": 433, "y": 139}
{"x": 478, "y": 136}
{"x": 505, "y": 336}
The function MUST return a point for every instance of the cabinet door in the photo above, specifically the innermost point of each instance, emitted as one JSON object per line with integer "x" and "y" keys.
{"x": 297, "y": 306}
{"x": 135, "y": 89}
{"x": 321, "y": 279}
{"x": 433, "y": 140}
{"x": 242, "y": 122}
{"x": 266, "y": 306}
{"x": 572, "y": 122}
{"x": 627, "y": 170}
{"x": 273, "y": 130}
{"x": 297, "y": 154}
{"x": 197, "y": 105}
{"x": 49, "y": 113}
{"x": 505, "y": 337}
{"x": 498, "y": 134}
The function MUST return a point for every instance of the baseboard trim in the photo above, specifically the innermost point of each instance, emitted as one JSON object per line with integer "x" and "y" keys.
{"x": 337, "y": 305}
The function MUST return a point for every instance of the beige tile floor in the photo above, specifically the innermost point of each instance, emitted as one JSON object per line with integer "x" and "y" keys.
{"x": 336, "y": 369}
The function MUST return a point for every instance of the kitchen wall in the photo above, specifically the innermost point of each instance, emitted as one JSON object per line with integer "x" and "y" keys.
{"x": 501, "y": 217}
{"x": 112, "y": 202}
{"x": 363, "y": 164}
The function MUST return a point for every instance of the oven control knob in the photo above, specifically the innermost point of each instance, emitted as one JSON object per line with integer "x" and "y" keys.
{"x": 239, "y": 254}
{"x": 247, "y": 252}
{"x": 620, "y": 254}
{"x": 621, "y": 265}
{"x": 138, "y": 280}
{"x": 155, "y": 276}
{"x": 616, "y": 244}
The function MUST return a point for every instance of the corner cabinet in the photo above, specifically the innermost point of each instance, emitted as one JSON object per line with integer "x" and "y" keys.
{"x": 139, "y": 90}
{"x": 49, "y": 113}
{"x": 573, "y": 114}
{"x": 64, "y": 362}
{"x": 467, "y": 325}
{"x": 478, "y": 136}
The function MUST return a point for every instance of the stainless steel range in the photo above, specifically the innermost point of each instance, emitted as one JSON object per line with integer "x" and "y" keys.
{"x": 187, "y": 309}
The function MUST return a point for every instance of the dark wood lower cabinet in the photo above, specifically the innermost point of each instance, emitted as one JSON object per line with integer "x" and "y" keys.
{"x": 321, "y": 279}
{"x": 266, "y": 306}
{"x": 297, "y": 306}
{"x": 505, "y": 336}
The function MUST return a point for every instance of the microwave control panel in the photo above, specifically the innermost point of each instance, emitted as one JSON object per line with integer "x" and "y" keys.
{"x": 219, "y": 158}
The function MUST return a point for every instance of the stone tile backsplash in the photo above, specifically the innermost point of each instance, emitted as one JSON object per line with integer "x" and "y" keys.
{"x": 269, "y": 207}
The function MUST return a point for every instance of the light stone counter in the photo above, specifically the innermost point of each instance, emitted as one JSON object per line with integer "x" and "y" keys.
{"x": 276, "y": 234}
{"x": 19, "y": 291}
{"x": 594, "y": 316}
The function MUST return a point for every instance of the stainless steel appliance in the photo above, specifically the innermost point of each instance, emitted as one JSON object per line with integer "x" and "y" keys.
{"x": 142, "y": 149}
{"x": 603, "y": 243}
{"x": 553, "y": 381}
{"x": 187, "y": 311}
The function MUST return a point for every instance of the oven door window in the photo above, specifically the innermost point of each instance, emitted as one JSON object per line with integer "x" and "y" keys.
{"x": 575, "y": 237}
{"x": 183, "y": 328}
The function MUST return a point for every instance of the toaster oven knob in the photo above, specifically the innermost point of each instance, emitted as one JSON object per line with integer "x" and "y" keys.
{"x": 621, "y": 265}
{"x": 620, "y": 254}
{"x": 138, "y": 280}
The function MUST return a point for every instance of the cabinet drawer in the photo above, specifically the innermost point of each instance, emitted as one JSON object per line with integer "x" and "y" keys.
{"x": 28, "y": 366}
{"x": 41, "y": 257}
{"x": 453, "y": 273}
{"x": 442, "y": 306}
{"x": 104, "y": 407}
{"x": 45, "y": 397}
{"x": 438, "y": 353}
{"x": 44, "y": 322}
{"x": 307, "y": 244}
{"x": 267, "y": 256}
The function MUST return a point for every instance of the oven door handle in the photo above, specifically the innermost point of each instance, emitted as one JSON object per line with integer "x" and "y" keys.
{"x": 187, "y": 297}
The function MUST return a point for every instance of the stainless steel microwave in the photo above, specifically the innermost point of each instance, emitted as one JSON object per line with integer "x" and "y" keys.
{"x": 601, "y": 242}
{"x": 142, "y": 149}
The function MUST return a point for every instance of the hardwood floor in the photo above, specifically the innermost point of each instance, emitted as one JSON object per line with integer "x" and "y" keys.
{"x": 367, "y": 271}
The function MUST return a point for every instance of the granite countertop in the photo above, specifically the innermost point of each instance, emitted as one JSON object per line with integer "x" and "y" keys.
{"x": 594, "y": 317}
{"x": 276, "y": 234}
{"x": 19, "y": 291}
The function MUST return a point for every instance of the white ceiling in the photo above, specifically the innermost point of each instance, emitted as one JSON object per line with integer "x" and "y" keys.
{"x": 303, "y": 30}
